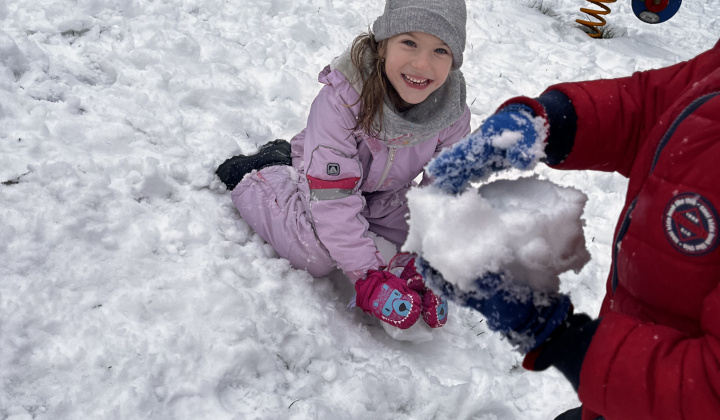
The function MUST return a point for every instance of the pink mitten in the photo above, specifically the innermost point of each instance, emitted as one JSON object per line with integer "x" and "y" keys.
{"x": 434, "y": 308}
{"x": 413, "y": 278}
{"x": 387, "y": 297}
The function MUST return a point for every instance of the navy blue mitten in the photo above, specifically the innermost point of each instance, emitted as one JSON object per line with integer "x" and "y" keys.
{"x": 512, "y": 137}
{"x": 526, "y": 317}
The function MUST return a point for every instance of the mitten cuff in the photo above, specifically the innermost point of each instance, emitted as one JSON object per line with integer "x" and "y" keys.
{"x": 562, "y": 120}
{"x": 536, "y": 107}
{"x": 400, "y": 261}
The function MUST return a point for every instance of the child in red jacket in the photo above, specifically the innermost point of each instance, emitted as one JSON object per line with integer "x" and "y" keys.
{"x": 654, "y": 351}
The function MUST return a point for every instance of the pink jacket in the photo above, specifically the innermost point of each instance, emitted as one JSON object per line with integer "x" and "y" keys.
{"x": 355, "y": 183}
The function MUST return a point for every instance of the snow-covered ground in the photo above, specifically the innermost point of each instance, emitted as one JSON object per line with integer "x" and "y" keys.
{"x": 129, "y": 286}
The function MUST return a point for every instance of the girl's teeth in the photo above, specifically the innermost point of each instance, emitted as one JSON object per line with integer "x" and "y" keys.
{"x": 415, "y": 81}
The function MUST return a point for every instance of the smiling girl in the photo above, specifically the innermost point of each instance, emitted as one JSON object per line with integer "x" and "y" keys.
{"x": 389, "y": 104}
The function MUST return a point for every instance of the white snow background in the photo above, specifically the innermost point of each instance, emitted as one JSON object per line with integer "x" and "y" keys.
{"x": 131, "y": 289}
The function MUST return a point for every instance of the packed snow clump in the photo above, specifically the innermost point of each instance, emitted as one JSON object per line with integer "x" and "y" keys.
{"x": 530, "y": 227}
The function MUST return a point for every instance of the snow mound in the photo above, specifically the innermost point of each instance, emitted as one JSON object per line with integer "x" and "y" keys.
{"x": 530, "y": 227}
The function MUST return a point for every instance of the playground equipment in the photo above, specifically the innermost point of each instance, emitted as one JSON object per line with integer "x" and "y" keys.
{"x": 595, "y": 25}
{"x": 648, "y": 11}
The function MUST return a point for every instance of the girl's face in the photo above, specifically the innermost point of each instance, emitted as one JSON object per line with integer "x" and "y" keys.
{"x": 417, "y": 64}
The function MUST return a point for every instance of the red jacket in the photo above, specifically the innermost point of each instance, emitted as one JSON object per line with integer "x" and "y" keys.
{"x": 656, "y": 352}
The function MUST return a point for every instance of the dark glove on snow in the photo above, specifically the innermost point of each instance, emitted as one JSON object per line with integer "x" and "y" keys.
{"x": 527, "y": 318}
{"x": 565, "y": 349}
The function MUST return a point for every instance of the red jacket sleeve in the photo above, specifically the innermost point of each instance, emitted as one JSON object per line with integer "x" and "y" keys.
{"x": 614, "y": 116}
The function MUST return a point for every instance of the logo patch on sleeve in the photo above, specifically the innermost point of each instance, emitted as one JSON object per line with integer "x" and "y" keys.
{"x": 333, "y": 169}
{"x": 691, "y": 224}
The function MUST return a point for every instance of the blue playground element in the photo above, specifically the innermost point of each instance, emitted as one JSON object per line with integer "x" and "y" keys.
{"x": 655, "y": 11}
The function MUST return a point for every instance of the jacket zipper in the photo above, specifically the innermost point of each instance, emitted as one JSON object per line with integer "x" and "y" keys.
{"x": 624, "y": 226}
{"x": 388, "y": 165}
{"x": 684, "y": 114}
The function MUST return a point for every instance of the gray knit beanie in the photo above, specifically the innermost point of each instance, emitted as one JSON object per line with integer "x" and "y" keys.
{"x": 443, "y": 18}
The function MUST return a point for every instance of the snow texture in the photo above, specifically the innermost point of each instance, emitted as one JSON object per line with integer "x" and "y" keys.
{"x": 529, "y": 227}
{"x": 131, "y": 289}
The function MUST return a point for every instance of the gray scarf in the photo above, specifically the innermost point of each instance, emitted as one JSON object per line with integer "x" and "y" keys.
{"x": 421, "y": 122}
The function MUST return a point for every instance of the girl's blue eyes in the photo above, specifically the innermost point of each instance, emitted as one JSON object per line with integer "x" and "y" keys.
{"x": 411, "y": 43}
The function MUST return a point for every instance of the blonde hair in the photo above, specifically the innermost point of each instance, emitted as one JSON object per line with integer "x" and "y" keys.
{"x": 367, "y": 56}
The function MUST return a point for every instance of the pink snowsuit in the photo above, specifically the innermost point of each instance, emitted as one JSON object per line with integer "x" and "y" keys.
{"x": 343, "y": 183}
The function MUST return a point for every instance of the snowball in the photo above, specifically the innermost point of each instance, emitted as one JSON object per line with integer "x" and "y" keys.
{"x": 530, "y": 227}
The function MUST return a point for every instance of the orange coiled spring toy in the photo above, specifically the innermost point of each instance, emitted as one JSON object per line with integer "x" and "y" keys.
{"x": 597, "y": 14}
